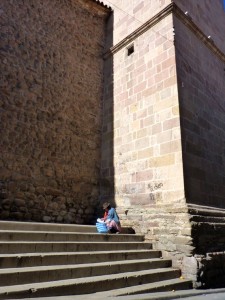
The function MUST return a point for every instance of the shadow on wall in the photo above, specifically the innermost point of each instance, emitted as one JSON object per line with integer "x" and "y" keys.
{"x": 51, "y": 110}
{"x": 107, "y": 190}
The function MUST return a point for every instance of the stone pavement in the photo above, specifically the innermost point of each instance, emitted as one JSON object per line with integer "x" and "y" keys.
{"x": 210, "y": 294}
{"x": 220, "y": 296}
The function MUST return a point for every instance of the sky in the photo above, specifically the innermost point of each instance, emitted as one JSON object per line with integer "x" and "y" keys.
{"x": 224, "y": 4}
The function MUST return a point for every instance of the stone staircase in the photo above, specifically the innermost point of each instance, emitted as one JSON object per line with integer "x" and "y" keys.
{"x": 43, "y": 260}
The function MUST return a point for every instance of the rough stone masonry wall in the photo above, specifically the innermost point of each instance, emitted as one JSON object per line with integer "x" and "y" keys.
{"x": 51, "y": 93}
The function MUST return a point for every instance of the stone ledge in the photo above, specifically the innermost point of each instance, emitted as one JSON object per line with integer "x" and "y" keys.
{"x": 201, "y": 210}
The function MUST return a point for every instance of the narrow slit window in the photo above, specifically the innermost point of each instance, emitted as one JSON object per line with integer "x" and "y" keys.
{"x": 130, "y": 50}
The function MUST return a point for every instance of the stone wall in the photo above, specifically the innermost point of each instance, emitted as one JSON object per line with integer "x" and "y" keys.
{"x": 130, "y": 15}
{"x": 205, "y": 265}
{"x": 208, "y": 16}
{"x": 167, "y": 227}
{"x": 147, "y": 158}
{"x": 157, "y": 172}
{"x": 200, "y": 64}
{"x": 211, "y": 273}
{"x": 202, "y": 105}
{"x": 144, "y": 165}
{"x": 147, "y": 143}
{"x": 51, "y": 109}
{"x": 127, "y": 17}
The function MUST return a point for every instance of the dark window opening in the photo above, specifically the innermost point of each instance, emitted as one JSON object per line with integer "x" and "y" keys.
{"x": 130, "y": 50}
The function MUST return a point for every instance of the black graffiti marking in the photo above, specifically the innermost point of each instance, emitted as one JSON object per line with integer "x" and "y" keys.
{"x": 152, "y": 197}
{"x": 155, "y": 187}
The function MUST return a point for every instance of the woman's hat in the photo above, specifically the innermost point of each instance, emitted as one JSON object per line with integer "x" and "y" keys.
{"x": 106, "y": 205}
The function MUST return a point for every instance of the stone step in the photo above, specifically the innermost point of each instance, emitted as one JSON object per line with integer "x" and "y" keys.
{"x": 207, "y": 219}
{"x": 87, "y": 285}
{"x": 161, "y": 286}
{"x": 33, "y": 226}
{"x": 33, "y": 247}
{"x": 47, "y": 259}
{"x": 58, "y": 259}
{"x": 9, "y": 235}
{"x": 56, "y": 227}
{"x": 205, "y": 226}
{"x": 51, "y": 273}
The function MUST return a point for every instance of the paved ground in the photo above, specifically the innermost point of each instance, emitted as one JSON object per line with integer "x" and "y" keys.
{"x": 220, "y": 296}
{"x": 217, "y": 294}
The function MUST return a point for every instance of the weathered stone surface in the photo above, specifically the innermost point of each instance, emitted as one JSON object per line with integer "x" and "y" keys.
{"x": 19, "y": 202}
{"x": 211, "y": 272}
{"x": 51, "y": 80}
{"x": 165, "y": 95}
{"x": 46, "y": 219}
{"x": 201, "y": 119}
{"x": 190, "y": 267}
{"x": 180, "y": 136}
{"x": 147, "y": 140}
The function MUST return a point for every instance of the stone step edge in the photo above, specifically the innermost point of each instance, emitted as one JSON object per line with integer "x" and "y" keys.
{"x": 69, "y": 233}
{"x": 75, "y": 242}
{"x": 50, "y": 254}
{"x": 67, "y": 246}
{"x": 77, "y": 281}
{"x": 143, "y": 288}
{"x": 159, "y": 295}
{"x": 19, "y": 260}
{"x": 59, "y": 226}
{"x": 6, "y": 271}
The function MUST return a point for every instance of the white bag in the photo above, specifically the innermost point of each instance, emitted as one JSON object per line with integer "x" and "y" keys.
{"x": 101, "y": 227}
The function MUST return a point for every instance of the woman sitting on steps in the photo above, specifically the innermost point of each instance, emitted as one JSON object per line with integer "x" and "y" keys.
{"x": 111, "y": 218}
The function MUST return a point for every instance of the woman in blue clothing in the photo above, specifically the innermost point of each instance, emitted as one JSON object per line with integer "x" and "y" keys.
{"x": 112, "y": 220}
